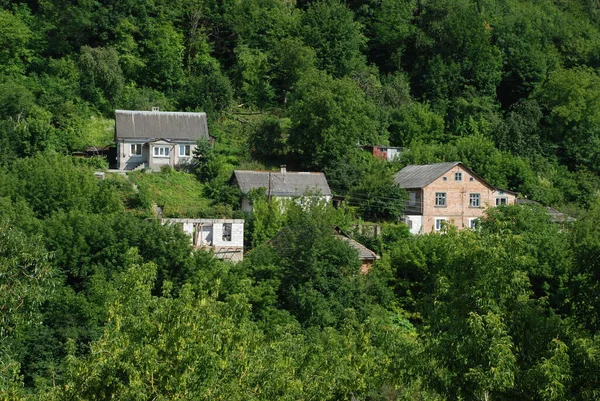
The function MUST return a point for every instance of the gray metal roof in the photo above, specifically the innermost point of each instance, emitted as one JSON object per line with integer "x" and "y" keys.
{"x": 131, "y": 124}
{"x": 419, "y": 176}
{"x": 283, "y": 184}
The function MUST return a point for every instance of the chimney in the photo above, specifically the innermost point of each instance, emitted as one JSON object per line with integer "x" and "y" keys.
{"x": 283, "y": 171}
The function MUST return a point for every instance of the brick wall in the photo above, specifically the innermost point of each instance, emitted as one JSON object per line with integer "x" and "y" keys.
{"x": 457, "y": 210}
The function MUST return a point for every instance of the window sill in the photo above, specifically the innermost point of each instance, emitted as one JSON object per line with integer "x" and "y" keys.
{"x": 441, "y": 207}
{"x": 161, "y": 157}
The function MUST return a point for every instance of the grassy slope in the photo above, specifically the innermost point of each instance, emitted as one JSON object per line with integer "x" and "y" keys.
{"x": 178, "y": 194}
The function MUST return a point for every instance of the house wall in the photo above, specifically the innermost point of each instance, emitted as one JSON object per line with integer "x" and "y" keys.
{"x": 415, "y": 223}
{"x": 208, "y": 234}
{"x": 127, "y": 161}
{"x": 507, "y": 196}
{"x": 282, "y": 200}
{"x": 457, "y": 210}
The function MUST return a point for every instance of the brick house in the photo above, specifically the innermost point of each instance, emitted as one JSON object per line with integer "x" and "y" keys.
{"x": 152, "y": 139}
{"x": 447, "y": 192}
{"x": 223, "y": 237}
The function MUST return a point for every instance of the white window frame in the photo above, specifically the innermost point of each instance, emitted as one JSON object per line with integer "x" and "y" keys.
{"x": 473, "y": 222}
{"x": 161, "y": 151}
{"x": 458, "y": 176}
{"x": 440, "y": 199}
{"x": 135, "y": 149}
{"x": 439, "y": 223}
{"x": 474, "y": 200}
{"x": 187, "y": 151}
{"x": 501, "y": 200}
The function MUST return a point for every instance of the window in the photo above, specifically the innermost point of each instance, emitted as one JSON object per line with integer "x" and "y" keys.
{"x": 439, "y": 223}
{"x": 136, "y": 149}
{"x": 440, "y": 199}
{"x": 471, "y": 179}
{"x": 501, "y": 201}
{"x": 226, "y": 231}
{"x": 473, "y": 223}
{"x": 184, "y": 150}
{"x": 161, "y": 151}
{"x": 445, "y": 178}
{"x": 458, "y": 176}
{"x": 474, "y": 200}
{"x": 412, "y": 199}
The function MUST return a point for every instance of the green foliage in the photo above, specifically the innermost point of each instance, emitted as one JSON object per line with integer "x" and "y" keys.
{"x": 178, "y": 194}
{"x": 101, "y": 76}
{"x": 53, "y": 183}
{"x": 571, "y": 97}
{"x": 504, "y": 312}
{"x": 376, "y": 195}
{"x": 329, "y": 118}
{"x": 14, "y": 42}
{"x": 329, "y": 28}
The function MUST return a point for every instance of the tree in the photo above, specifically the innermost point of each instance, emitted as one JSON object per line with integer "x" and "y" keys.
{"x": 571, "y": 100}
{"x": 329, "y": 28}
{"x": 27, "y": 279}
{"x": 101, "y": 76}
{"x": 15, "y": 50}
{"x": 376, "y": 195}
{"x": 330, "y": 117}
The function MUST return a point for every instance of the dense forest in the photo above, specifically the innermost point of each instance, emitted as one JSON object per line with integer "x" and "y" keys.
{"x": 99, "y": 301}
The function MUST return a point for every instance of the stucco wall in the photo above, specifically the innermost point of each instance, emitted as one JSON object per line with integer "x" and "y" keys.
{"x": 209, "y": 236}
{"x": 127, "y": 161}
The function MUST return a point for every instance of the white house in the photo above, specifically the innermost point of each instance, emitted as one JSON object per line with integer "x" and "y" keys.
{"x": 156, "y": 138}
{"x": 224, "y": 237}
{"x": 282, "y": 185}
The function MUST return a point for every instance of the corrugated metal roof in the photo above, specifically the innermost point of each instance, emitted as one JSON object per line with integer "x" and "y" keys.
{"x": 132, "y": 124}
{"x": 283, "y": 184}
{"x": 419, "y": 176}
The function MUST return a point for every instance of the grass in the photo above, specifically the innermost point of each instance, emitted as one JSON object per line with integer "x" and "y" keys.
{"x": 178, "y": 194}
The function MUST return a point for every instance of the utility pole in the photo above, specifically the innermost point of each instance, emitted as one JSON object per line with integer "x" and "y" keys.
{"x": 269, "y": 189}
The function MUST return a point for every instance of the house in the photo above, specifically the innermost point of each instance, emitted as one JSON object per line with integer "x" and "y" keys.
{"x": 389, "y": 153}
{"x": 223, "y": 237}
{"x": 281, "y": 185}
{"x": 555, "y": 215}
{"x": 367, "y": 257}
{"x": 156, "y": 138}
{"x": 447, "y": 192}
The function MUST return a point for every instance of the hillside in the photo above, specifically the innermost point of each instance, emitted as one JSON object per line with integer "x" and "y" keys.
{"x": 100, "y": 301}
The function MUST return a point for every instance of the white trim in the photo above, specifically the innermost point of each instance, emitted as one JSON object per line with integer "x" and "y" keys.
{"x": 436, "y": 226}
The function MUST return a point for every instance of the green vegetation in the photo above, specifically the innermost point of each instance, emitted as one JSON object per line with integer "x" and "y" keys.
{"x": 99, "y": 301}
{"x": 178, "y": 194}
